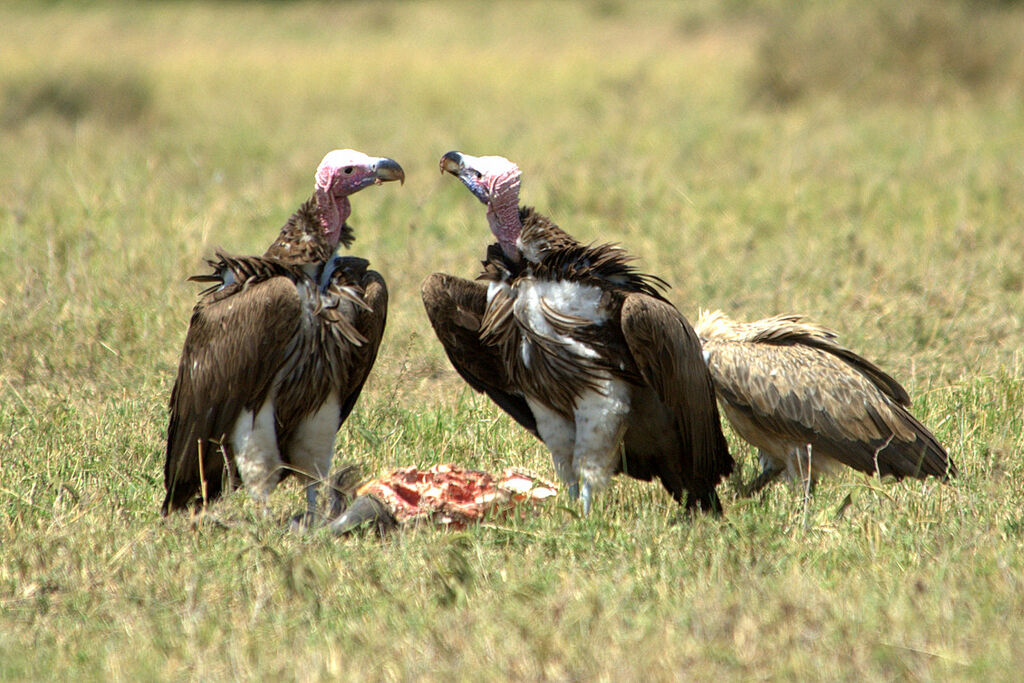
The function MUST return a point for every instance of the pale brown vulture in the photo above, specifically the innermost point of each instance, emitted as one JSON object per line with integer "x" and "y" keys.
{"x": 809, "y": 405}
{"x": 579, "y": 348}
{"x": 277, "y": 351}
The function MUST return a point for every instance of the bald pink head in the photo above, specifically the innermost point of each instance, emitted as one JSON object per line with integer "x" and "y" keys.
{"x": 494, "y": 181}
{"x": 344, "y": 172}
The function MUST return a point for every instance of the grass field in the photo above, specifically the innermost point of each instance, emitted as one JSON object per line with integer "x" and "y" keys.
{"x": 860, "y": 164}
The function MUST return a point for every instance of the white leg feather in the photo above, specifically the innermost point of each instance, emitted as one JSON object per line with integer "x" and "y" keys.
{"x": 600, "y": 425}
{"x": 559, "y": 435}
{"x": 312, "y": 449}
{"x": 254, "y": 440}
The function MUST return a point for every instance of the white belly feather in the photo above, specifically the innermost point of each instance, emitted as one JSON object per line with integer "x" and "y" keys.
{"x": 567, "y": 298}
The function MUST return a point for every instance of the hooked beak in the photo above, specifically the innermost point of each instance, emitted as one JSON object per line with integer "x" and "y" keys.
{"x": 451, "y": 162}
{"x": 463, "y": 167}
{"x": 386, "y": 170}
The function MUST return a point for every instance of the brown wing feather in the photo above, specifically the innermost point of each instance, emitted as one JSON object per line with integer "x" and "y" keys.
{"x": 806, "y": 394}
{"x": 369, "y": 321}
{"x": 668, "y": 355}
{"x": 456, "y": 310}
{"x": 235, "y": 342}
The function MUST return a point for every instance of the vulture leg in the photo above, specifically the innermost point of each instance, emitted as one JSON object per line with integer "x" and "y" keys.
{"x": 256, "y": 453}
{"x": 309, "y": 518}
{"x": 559, "y": 435}
{"x": 313, "y": 445}
{"x": 600, "y": 425}
{"x": 344, "y": 485}
{"x": 311, "y": 449}
{"x": 770, "y": 470}
{"x": 456, "y": 309}
{"x": 801, "y": 469}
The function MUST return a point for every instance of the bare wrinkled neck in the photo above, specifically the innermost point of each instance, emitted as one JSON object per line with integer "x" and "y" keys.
{"x": 503, "y": 212}
{"x": 334, "y": 211}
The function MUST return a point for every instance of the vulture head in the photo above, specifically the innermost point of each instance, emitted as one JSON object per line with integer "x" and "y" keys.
{"x": 494, "y": 181}
{"x": 344, "y": 172}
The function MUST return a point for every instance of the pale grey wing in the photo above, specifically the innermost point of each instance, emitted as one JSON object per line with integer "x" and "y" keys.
{"x": 668, "y": 354}
{"x": 804, "y": 395}
{"x": 882, "y": 380}
{"x": 456, "y": 308}
{"x": 369, "y": 322}
{"x": 236, "y": 341}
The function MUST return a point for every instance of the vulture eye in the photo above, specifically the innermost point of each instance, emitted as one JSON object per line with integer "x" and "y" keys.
{"x": 347, "y": 170}
{"x": 478, "y": 174}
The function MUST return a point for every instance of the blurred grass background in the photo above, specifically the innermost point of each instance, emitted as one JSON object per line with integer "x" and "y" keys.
{"x": 858, "y": 162}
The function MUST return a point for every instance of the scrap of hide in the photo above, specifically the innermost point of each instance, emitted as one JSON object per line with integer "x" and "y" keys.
{"x": 453, "y": 496}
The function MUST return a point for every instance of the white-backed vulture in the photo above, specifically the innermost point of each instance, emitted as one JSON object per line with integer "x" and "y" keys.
{"x": 809, "y": 405}
{"x": 579, "y": 348}
{"x": 277, "y": 351}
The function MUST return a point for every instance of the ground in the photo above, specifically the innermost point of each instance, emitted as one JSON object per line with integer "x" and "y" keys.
{"x": 859, "y": 164}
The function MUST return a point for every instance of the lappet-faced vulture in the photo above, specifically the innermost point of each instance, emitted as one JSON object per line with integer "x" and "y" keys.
{"x": 277, "y": 351}
{"x": 809, "y": 405}
{"x": 579, "y": 348}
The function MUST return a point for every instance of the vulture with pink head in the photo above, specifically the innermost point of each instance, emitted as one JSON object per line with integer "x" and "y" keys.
{"x": 581, "y": 349}
{"x": 277, "y": 351}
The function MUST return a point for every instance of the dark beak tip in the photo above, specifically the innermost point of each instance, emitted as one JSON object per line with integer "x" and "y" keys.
{"x": 451, "y": 162}
{"x": 389, "y": 169}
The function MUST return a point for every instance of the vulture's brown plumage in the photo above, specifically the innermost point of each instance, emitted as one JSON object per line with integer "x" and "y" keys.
{"x": 580, "y": 349}
{"x": 808, "y": 404}
{"x": 277, "y": 351}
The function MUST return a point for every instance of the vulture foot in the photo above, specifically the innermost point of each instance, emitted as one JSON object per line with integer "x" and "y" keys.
{"x": 364, "y": 511}
{"x": 343, "y": 489}
{"x": 305, "y": 521}
{"x": 769, "y": 473}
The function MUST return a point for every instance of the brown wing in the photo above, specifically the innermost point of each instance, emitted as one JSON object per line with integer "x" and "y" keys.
{"x": 668, "y": 355}
{"x": 797, "y": 393}
{"x": 456, "y": 309}
{"x": 236, "y": 342}
{"x": 369, "y": 322}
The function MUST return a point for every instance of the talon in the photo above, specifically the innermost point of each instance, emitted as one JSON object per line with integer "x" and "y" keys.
{"x": 304, "y": 521}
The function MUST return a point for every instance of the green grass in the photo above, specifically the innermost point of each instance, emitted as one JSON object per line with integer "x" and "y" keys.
{"x": 740, "y": 164}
